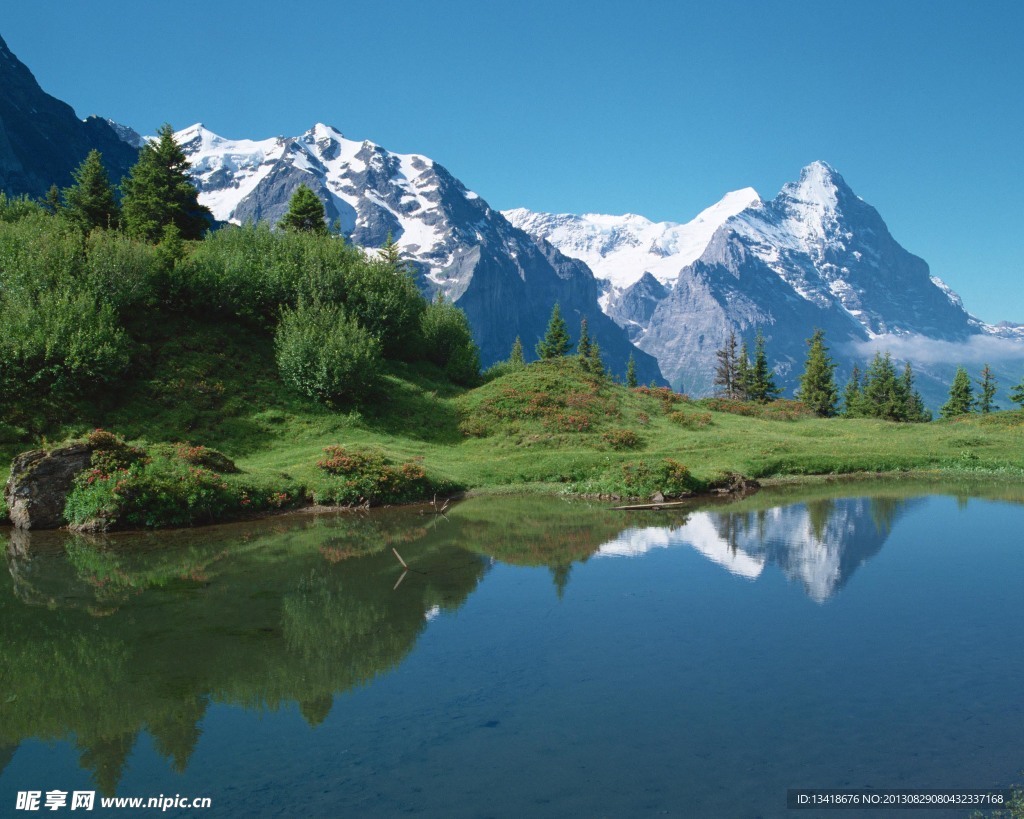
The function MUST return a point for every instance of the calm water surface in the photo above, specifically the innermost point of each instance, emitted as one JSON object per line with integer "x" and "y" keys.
{"x": 539, "y": 658}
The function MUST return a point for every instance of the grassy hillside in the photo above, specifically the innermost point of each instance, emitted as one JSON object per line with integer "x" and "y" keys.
{"x": 550, "y": 426}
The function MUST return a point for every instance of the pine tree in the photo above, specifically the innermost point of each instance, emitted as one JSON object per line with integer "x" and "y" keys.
{"x": 631, "y": 381}
{"x": 90, "y": 202}
{"x": 583, "y": 348}
{"x": 743, "y": 373}
{"x": 762, "y": 382}
{"x": 516, "y": 356}
{"x": 914, "y": 409}
{"x": 388, "y": 252}
{"x": 306, "y": 215}
{"x": 988, "y": 383}
{"x": 726, "y": 370}
{"x": 555, "y": 343}
{"x": 853, "y": 397}
{"x": 594, "y": 363}
{"x": 817, "y": 384}
{"x": 52, "y": 203}
{"x": 961, "y": 396}
{"x": 883, "y": 395}
{"x": 158, "y": 192}
{"x": 1017, "y": 394}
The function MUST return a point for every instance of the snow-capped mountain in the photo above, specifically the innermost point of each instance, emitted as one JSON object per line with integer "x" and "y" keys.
{"x": 506, "y": 281}
{"x": 815, "y": 256}
{"x": 818, "y": 544}
{"x": 620, "y": 249}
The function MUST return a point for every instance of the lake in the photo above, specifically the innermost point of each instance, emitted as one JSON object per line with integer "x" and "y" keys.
{"x": 539, "y": 657}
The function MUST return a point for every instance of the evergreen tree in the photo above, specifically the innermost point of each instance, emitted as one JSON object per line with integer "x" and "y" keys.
{"x": 762, "y": 386}
{"x": 306, "y": 215}
{"x": 555, "y": 343}
{"x": 52, "y": 203}
{"x": 853, "y": 397}
{"x": 1017, "y": 394}
{"x": 594, "y": 364}
{"x": 914, "y": 409}
{"x": 389, "y": 252}
{"x": 516, "y": 356}
{"x": 158, "y": 192}
{"x": 987, "y": 382}
{"x": 583, "y": 348}
{"x": 631, "y": 372}
{"x": 743, "y": 373}
{"x": 726, "y": 370}
{"x": 90, "y": 202}
{"x": 961, "y": 396}
{"x": 817, "y": 384}
{"x": 882, "y": 391}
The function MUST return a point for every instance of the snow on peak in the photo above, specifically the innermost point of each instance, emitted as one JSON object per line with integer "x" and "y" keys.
{"x": 817, "y": 187}
{"x": 622, "y": 248}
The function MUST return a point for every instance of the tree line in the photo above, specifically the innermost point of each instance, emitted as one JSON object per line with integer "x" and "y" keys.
{"x": 879, "y": 391}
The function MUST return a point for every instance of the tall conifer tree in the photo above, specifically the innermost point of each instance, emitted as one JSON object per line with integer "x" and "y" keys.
{"x": 987, "y": 383}
{"x": 306, "y": 215}
{"x": 726, "y": 368}
{"x": 631, "y": 381}
{"x": 90, "y": 202}
{"x": 555, "y": 343}
{"x": 762, "y": 381}
{"x": 852, "y": 395}
{"x": 516, "y": 356}
{"x": 1017, "y": 394}
{"x": 158, "y": 192}
{"x": 817, "y": 384}
{"x": 961, "y": 396}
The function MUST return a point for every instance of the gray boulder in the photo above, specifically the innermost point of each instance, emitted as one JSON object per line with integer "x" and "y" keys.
{"x": 40, "y": 482}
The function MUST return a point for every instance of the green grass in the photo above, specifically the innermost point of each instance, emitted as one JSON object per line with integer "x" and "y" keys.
{"x": 549, "y": 427}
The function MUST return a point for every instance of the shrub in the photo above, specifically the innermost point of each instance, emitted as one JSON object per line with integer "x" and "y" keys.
{"x": 667, "y": 476}
{"x": 59, "y": 342}
{"x": 159, "y": 492}
{"x": 691, "y": 420}
{"x": 388, "y": 304}
{"x": 252, "y": 271}
{"x": 325, "y": 355}
{"x": 204, "y": 456}
{"x": 621, "y": 439}
{"x": 781, "y": 409}
{"x": 129, "y": 487}
{"x": 357, "y": 477}
{"x": 448, "y": 342}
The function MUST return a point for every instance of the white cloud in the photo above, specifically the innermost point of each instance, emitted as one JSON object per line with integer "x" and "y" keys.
{"x": 977, "y": 349}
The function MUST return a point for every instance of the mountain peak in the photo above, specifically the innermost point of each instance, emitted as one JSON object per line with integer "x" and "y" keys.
{"x": 821, "y": 186}
{"x": 323, "y": 131}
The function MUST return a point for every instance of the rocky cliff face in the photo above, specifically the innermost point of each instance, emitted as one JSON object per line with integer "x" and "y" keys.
{"x": 42, "y": 140}
{"x": 505, "y": 281}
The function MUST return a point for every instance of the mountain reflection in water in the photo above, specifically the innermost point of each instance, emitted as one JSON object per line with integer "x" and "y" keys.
{"x": 819, "y": 543}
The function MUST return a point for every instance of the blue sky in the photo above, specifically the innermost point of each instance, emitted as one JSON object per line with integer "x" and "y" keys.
{"x": 656, "y": 108}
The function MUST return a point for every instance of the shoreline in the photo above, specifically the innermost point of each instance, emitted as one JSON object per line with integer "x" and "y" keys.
{"x": 549, "y": 489}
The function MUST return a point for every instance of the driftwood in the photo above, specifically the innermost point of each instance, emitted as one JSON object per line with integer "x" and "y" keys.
{"x": 651, "y": 506}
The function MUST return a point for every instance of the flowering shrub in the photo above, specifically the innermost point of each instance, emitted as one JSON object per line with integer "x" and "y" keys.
{"x": 621, "y": 438}
{"x": 159, "y": 492}
{"x": 667, "y": 476}
{"x": 691, "y": 420}
{"x": 126, "y": 486}
{"x": 204, "y": 456}
{"x": 357, "y": 477}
